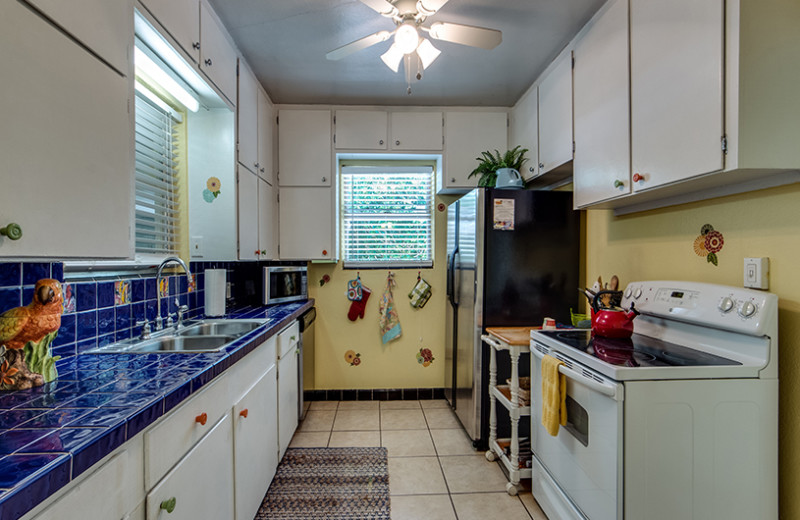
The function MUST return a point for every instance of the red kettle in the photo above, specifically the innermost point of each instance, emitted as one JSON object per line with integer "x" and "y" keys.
{"x": 612, "y": 322}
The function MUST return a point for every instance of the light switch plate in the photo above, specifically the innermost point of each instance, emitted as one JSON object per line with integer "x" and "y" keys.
{"x": 756, "y": 273}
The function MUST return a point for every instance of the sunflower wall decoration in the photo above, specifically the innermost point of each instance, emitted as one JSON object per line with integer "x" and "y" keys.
{"x": 212, "y": 189}
{"x": 353, "y": 358}
{"x": 709, "y": 243}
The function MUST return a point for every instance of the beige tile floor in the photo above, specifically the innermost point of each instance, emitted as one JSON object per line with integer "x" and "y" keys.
{"x": 434, "y": 473}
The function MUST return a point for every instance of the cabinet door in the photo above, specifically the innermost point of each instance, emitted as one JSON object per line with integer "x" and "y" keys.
{"x": 555, "y": 116}
{"x": 417, "y": 131}
{"x": 524, "y": 131}
{"x": 361, "y": 129}
{"x": 601, "y": 169}
{"x": 467, "y": 134}
{"x": 304, "y": 148}
{"x": 202, "y": 482}
{"x": 248, "y": 215}
{"x": 217, "y": 54}
{"x": 66, "y": 143}
{"x": 307, "y": 224}
{"x": 103, "y": 26}
{"x": 267, "y": 221}
{"x": 288, "y": 395}
{"x": 676, "y": 90}
{"x": 255, "y": 444}
{"x": 181, "y": 19}
{"x": 247, "y": 121}
{"x": 266, "y": 138}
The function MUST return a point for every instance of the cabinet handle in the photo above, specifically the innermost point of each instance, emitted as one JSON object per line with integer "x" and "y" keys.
{"x": 196, "y": 45}
{"x": 243, "y": 413}
{"x": 168, "y": 505}
{"x": 263, "y": 251}
{"x": 258, "y": 252}
{"x": 530, "y": 169}
{"x": 541, "y": 166}
{"x": 452, "y": 179}
{"x": 12, "y": 231}
{"x": 202, "y": 418}
{"x": 324, "y": 252}
{"x": 397, "y": 143}
{"x": 618, "y": 183}
{"x": 380, "y": 142}
{"x": 255, "y": 165}
{"x": 261, "y": 170}
{"x": 637, "y": 177}
{"x": 324, "y": 179}
{"x": 208, "y": 62}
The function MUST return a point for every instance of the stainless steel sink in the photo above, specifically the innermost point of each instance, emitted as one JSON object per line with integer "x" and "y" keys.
{"x": 196, "y": 336}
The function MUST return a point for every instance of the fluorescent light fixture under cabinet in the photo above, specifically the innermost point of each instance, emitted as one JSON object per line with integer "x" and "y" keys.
{"x": 157, "y": 74}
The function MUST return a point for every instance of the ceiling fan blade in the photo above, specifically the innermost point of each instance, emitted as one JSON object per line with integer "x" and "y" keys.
{"x": 429, "y": 7}
{"x": 363, "y": 43}
{"x": 381, "y": 6}
{"x": 466, "y": 35}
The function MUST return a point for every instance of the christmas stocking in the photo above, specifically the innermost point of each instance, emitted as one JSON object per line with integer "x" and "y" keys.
{"x": 357, "y": 306}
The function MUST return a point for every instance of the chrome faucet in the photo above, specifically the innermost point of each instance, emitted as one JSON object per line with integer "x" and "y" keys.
{"x": 168, "y": 260}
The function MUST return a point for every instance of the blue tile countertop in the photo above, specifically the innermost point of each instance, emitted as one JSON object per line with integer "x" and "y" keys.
{"x": 51, "y": 434}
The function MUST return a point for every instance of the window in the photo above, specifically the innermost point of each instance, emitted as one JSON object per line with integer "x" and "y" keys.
{"x": 387, "y": 216}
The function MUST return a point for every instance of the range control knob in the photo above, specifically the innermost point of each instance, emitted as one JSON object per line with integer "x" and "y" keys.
{"x": 726, "y": 304}
{"x": 628, "y": 292}
{"x": 747, "y": 309}
{"x": 637, "y": 293}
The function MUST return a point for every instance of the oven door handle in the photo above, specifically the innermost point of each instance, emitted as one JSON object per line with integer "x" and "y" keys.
{"x": 614, "y": 391}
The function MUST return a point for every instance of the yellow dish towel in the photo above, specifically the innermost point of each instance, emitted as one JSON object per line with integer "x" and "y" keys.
{"x": 554, "y": 395}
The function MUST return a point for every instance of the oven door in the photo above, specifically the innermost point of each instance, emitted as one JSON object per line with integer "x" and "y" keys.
{"x": 582, "y": 464}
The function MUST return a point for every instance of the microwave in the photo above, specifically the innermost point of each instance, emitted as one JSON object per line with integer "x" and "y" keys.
{"x": 285, "y": 284}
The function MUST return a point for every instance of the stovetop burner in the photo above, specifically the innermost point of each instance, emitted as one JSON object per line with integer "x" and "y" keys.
{"x": 638, "y": 351}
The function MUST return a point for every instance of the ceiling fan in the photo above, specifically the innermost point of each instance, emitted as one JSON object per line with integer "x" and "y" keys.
{"x": 416, "y": 51}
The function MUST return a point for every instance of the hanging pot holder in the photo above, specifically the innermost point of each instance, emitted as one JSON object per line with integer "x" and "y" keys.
{"x": 420, "y": 294}
{"x": 354, "y": 292}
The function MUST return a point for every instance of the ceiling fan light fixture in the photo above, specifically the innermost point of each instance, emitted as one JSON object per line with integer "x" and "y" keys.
{"x": 429, "y": 7}
{"x": 406, "y": 38}
{"x": 392, "y": 57}
{"x": 427, "y": 52}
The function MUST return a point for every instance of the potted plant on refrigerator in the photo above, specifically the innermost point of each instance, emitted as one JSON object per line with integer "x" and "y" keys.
{"x": 490, "y": 163}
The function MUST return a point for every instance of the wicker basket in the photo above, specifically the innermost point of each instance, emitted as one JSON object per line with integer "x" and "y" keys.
{"x": 524, "y": 394}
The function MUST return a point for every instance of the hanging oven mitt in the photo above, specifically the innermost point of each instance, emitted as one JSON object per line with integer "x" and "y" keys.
{"x": 420, "y": 294}
{"x": 354, "y": 289}
{"x": 357, "y": 307}
{"x": 390, "y": 322}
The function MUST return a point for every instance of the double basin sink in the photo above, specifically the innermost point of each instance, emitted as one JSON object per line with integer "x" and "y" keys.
{"x": 208, "y": 335}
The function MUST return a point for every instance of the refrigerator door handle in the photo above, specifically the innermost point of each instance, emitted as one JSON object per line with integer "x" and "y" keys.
{"x": 451, "y": 275}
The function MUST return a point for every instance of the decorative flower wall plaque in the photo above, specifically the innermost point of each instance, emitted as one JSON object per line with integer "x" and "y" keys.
{"x": 212, "y": 190}
{"x": 709, "y": 243}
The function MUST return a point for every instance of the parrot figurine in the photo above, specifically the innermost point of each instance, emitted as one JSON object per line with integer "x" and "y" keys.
{"x": 30, "y": 325}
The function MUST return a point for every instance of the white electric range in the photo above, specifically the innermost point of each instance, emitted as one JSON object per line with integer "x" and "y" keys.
{"x": 678, "y": 422}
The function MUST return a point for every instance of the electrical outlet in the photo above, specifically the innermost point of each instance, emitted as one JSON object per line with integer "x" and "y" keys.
{"x": 756, "y": 273}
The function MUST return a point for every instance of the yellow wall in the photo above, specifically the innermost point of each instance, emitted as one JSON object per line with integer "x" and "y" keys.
{"x": 393, "y": 365}
{"x": 658, "y": 245}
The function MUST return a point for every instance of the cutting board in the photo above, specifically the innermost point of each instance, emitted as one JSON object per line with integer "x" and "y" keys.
{"x": 517, "y": 336}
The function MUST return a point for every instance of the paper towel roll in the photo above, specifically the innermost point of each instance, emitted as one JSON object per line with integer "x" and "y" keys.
{"x": 215, "y": 292}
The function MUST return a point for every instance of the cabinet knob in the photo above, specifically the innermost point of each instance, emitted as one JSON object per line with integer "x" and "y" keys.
{"x": 168, "y": 505}
{"x": 12, "y": 231}
{"x": 397, "y": 143}
{"x": 243, "y": 413}
{"x": 637, "y": 177}
{"x": 202, "y": 418}
{"x": 261, "y": 170}
{"x": 618, "y": 183}
{"x": 196, "y": 45}
{"x": 324, "y": 179}
{"x": 380, "y": 142}
{"x": 263, "y": 251}
{"x": 541, "y": 166}
{"x": 324, "y": 252}
{"x": 452, "y": 179}
{"x": 530, "y": 169}
{"x": 258, "y": 252}
{"x": 208, "y": 62}
{"x": 255, "y": 165}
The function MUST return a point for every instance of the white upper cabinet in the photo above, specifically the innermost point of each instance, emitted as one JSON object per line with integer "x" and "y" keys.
{"x": 247, "y": 206}
{"x": 307, "y": 223}
{"x": 601, "y": 168}
{"x": 676, "y": 90}
{"x": 304, "y": 148}
{"x": 467, "y": 134}
{"x": 247, "y": 120}
{"x": 217, "y": 54}
{"x": 103, "y": 26}
{"x": 266, "y": 138}
{"x": 524, "y": 130}
{"x": 555, "y": 115}
{"x": 361, "y": 129}
{"x": 267, "y": 220}
{"x": 414, "y": 131}
{"x": 66, "y": 146}
{"x": 181, "y": 19}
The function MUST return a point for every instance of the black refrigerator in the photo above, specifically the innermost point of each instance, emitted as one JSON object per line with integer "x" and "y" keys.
{"x": 512, "y": 260}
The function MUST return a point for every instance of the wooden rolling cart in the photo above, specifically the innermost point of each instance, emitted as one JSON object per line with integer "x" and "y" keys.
{"x": 515, "y": 340}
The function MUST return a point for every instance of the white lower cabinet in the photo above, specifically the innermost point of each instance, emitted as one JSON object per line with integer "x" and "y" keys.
{"x": 201, "y": 484}
{"x": 288, "y": 391}
{"x": 255, "y": 438}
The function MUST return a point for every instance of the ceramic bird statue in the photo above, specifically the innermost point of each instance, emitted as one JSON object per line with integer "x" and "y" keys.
{"x": 32, "y": 323}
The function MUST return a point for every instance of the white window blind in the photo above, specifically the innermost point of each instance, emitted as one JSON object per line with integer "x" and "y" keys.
{"x": 157, "y": 196}
{"x": 387, "y": 216}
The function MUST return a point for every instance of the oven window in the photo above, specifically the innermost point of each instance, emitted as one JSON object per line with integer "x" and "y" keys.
{"x": 577, "y": 421}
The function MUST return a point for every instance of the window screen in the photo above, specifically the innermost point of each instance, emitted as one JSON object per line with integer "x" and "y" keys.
{"x": 387, "y": 216}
